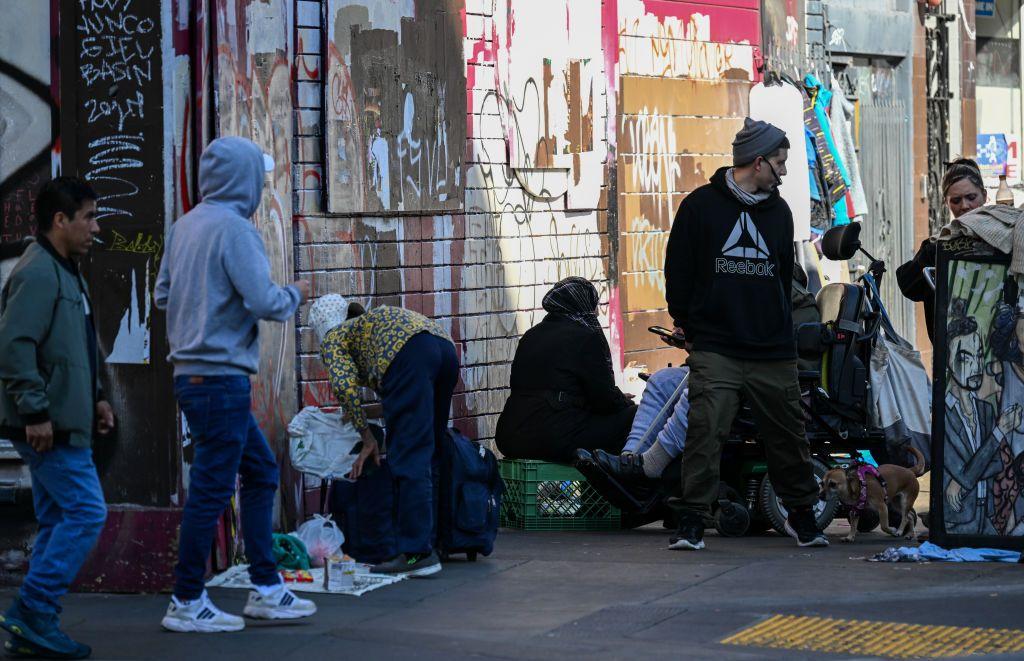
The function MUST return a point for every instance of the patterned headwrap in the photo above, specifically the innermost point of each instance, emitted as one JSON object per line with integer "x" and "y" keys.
{"x": 327, "y": 313}
{"x": 574, "y": 298}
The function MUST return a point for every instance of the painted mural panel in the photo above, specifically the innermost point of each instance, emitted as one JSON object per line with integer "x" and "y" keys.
{"x": 685, "y": 73}
{"x": 113, "y": 136}
{"x": 26, "y": 104}
{"x": 550, "y": 69}
{"x": 253, "y": 88}
{"x": 394, "y": 105}
{"x": 978, "y": 432}
{"x": 785, "y": 42}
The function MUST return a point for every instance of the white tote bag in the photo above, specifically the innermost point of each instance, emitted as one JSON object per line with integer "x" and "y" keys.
{"x": 320, "y": 443}
{"x": 901, "y": 394}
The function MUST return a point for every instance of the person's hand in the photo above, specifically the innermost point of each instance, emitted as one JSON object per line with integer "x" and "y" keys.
{"x": 955, "y": 495}
{"x": 675, "y": 342}
{"x": 628, "y": 395}
{"x": 40, "y": 436}
{"x": 104, "y": 418}
{"x": 304, "y": 288}
{"x": 1010, "y": 419}
{"x": 370, "y": 451}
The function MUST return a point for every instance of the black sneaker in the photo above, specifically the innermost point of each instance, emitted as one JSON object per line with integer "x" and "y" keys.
{"x": 410, "y": 565}
{"x": 627, "y": 467}
{"x": 690, "y": 536}
{"x": 801, "y": 526}
{"x": 19, "y": 648}
{"x": 41, "y": 630}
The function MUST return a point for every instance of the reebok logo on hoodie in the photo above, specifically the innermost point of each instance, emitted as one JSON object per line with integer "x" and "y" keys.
{"x": 728, "y": 273}
{"x": 745, "y": 241}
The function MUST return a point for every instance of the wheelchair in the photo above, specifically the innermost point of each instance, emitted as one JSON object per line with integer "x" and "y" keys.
{"x": 835, "y": 397}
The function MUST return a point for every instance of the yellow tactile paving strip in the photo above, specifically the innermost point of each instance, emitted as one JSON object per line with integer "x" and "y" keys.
{"x": 885, "y": 639}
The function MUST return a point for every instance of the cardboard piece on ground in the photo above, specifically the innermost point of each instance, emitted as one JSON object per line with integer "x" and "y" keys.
{"x": 783, "y": 106}
{"x": 238, "y": 577}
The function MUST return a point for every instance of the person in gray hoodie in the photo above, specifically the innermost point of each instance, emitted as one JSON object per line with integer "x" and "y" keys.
{"x": 215, "y": 285}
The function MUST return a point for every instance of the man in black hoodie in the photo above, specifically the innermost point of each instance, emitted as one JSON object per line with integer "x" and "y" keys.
{"x": 728, "y": 270}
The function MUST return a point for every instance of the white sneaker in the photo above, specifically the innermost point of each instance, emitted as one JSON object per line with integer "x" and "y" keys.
{"x": 281, "y": 604}
{"x": 199, "y": 616}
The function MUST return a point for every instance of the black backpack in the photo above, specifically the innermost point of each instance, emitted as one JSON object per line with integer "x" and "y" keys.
{"x": 469, "y": 489}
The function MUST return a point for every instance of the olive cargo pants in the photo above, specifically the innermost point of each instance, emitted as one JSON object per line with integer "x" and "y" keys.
{"x": 773, "y": 392}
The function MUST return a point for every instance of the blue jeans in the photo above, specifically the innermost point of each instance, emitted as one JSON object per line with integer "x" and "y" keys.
{"x": 227, "y": 442}
{"x": 416, "y": 394}
{"x": 70, "y": 510}
{"x": 669, "y": 429}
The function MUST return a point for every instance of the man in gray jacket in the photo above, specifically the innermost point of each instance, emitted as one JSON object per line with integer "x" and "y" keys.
{"x": 50, "y": 407}
{"x": 215, "y": 284}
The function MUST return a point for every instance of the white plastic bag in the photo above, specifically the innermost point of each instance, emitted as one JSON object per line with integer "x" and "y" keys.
{"x": 901, "y": 392}
{"x": 321, "y": 537}
{"x": 320, "y": 444}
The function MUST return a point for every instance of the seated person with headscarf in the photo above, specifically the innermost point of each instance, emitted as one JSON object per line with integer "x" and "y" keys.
{"x": 564, "y": 395}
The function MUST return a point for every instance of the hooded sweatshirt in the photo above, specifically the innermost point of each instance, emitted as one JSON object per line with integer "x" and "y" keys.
{"x": 215, "y": 281}
{"x": 728, "y": 269}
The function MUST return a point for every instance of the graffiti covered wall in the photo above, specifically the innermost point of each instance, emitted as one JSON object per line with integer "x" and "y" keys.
{"x": 394, "y": 102}
{"x": 585, "y": 126}
{"x": 254, "y": 51}
{"x": 113, "y": 136}
{"x": 685, "y": 71}
{"x": 525, "y": 133}
{"x": 26, "y": 118}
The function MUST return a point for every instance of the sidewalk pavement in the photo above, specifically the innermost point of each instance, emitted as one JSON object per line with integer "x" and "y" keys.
{"x": 599, "y": 595}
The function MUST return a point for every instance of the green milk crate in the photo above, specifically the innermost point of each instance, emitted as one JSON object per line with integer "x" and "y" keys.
{"x": 543, "y": 496}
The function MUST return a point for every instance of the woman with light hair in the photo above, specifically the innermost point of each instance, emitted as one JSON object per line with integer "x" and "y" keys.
{"x": 410, "y": 362}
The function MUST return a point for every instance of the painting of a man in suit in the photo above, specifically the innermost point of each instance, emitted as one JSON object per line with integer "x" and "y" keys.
{"x": 973, "y": 433}
{"x": 1006, "y": 341}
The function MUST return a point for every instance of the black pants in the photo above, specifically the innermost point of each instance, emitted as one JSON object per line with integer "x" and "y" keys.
{"x": 416, "y": 395}
{"x": 530, "y": 429}
{"x": 773, "y": 392}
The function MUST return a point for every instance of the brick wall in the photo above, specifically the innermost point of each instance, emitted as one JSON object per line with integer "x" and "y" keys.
{"x": 568, "y": 105}
{"x": 685, "y": 72}
{"x": 533, "y": 182}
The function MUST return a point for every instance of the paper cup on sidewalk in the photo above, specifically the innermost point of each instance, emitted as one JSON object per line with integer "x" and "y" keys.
{"x": 343, "y": 575}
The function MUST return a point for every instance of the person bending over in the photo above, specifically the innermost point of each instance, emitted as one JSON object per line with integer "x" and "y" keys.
{"x": 410, "y": 361}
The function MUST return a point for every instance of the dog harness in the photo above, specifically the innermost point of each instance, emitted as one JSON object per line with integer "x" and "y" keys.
{"x": 862, "y": 472}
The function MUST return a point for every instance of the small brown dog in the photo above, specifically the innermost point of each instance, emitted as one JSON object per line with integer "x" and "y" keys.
{"x": 901, "y": 489}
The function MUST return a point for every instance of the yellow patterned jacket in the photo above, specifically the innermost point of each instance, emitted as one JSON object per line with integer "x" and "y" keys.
{"x": 359, "y": 352}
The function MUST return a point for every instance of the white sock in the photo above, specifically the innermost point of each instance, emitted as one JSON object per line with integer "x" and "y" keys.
{"x": 656, "y": 459}
{"x": 267, "y": 590}
{"x": 186, "y": 602}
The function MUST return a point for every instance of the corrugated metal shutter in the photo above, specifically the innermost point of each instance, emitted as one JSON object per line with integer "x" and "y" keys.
{"x": 888, "y": 229}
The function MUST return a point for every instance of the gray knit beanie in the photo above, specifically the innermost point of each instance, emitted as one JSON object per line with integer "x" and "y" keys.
{"x": 756, "y": 138}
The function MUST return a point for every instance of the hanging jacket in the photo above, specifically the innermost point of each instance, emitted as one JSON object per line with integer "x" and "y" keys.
{"x": 842, "y": 133}
{"x": 820, "y": 99}
{"x": 821, "y": 210}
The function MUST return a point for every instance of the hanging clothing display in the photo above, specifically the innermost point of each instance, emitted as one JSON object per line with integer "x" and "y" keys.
{"x": 836, "y": 180}
{"x": 821, "y": 204}
{"x": 841, "y": 116}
